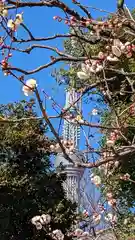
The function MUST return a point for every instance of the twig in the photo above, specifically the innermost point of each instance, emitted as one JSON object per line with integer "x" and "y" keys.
{"x": 28, "y": 31}
{"x": 55, "y": 60}
{"x": 51, "y": 126}
{"x": 51, "y": 4}
{"x": 120, "y": 156}
{"x": 83, "y": 8}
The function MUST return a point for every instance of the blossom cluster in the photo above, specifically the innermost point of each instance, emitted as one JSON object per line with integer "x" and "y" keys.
{"x": 3, "y": 9}
{"x": 88, "y": 68}
{"x": 125, "y": 177}
{"x": 112, "y": 138}
{"x": 67, "y": 144}
{"x": 14, "y": 24}
{"x": 96, "y": 218}
{"x": 29, "y": 87}
{"x": 95, "y": 179}
{"x": 110, "y": 199}
{"x": 40, "y": 221}
{"x": 80, "y": 234}
{"x": 112, "y": 218}
{"x": 73, "y": 118}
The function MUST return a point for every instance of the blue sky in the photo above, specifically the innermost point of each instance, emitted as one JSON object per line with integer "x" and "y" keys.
{"x": 41, "y": 23}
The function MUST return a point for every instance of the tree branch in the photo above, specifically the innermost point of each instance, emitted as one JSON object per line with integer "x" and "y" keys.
{"x": 55, "y": 60}
{"x": 50, "y": 3}
{"x": 51, "y": 126}
{"x": 118, "y": 157}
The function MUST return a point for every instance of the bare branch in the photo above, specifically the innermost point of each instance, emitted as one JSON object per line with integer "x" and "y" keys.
{"x": 51, "y": 126}
{"x": 124, "y": 152}
{"x": 51, "y": 4}
{"x": 83, "y": 8}
{"x": 38, "y": 39}
{"x": 55, "y": 60}
{"x": 28, "y": 31}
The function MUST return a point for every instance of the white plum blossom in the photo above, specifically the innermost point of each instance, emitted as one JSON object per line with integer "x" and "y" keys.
{"x": 110, "y": 142}
{"x": 99, "y": 68}
{"x": 29, "y": 87}
{"x": 112, "y": 202}
{"x": 101, "y": 55}
{"x": 96, "y": 180}
{"x": 39, "y": 221}
{"x": 117, "y": 47}
{"x": 45, "y": 219}
{"x": 38, "y": 226}
{"x": 67, "y": 144}
{"x": 35, "y": 219}
{"x": 125, "y": 221}
{"x": 52, "y": 147}
{"x": 85, "y": 234}
{"x": 58, "y": 235}
{"x": 116, "y": 164}
{"x": 85, "y": 73}
{"x": 125, "y": 177}
{"x": 127, "y": 44}
{"x": 88, "y": 68}
{"x": 19, "y": 19}
{"x": 82, "y": 75}
{"x": 13, "y": 24}
{"x": 111, "y": 218}
{"x": 4, "y": 13}
{"x": 10, "y": 24}
{"x": 94, "y": 112}
{"x": 117, "y": 42}
{"x": 78, "y": 232}
{"x": 112, "y": 58}
{"x": 116, "y": 51}
{"x": 96, "y": 218}
{"x": 109, "y": 195}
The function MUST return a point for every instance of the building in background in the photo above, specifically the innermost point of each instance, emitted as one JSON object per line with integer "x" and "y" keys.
{"x": 71, "y": 133}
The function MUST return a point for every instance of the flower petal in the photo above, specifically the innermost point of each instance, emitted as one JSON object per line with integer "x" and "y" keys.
{"x": 82, "y": 75}
{"x": 116, "y": 51}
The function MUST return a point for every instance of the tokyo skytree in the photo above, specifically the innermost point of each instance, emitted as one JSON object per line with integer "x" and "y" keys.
{"x": 71, "y": 132}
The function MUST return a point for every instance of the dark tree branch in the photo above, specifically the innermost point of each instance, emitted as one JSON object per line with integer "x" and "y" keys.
{"x": 83, "y": 8}
{"x": 38, "y": 39}
{"x": 124, "y": 152}
{"x": 51, "y": 3}
{"x": 51, "y": 126}
{"x": 28, "y": 31}
{"x": 55, "y": 60}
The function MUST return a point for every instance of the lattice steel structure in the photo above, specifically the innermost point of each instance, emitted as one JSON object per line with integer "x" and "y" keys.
{"x": 72, "y": 132}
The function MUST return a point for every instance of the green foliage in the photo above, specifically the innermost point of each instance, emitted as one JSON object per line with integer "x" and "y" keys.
{"x": 28, "y": 186}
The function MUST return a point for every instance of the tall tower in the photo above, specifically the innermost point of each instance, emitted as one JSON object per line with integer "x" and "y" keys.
{"x": 72, "y": 132}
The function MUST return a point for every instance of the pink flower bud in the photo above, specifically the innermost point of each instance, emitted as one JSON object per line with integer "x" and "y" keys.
{"x": 129, "y": 48}
{"x": 55, "y": 17}
{"x": 10, "y": 54}
{"x": 72, "y": 18}
{"x": 129, "y": 55}
{"x": 101, "y": 55}
{"x": 66, "y": 22}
